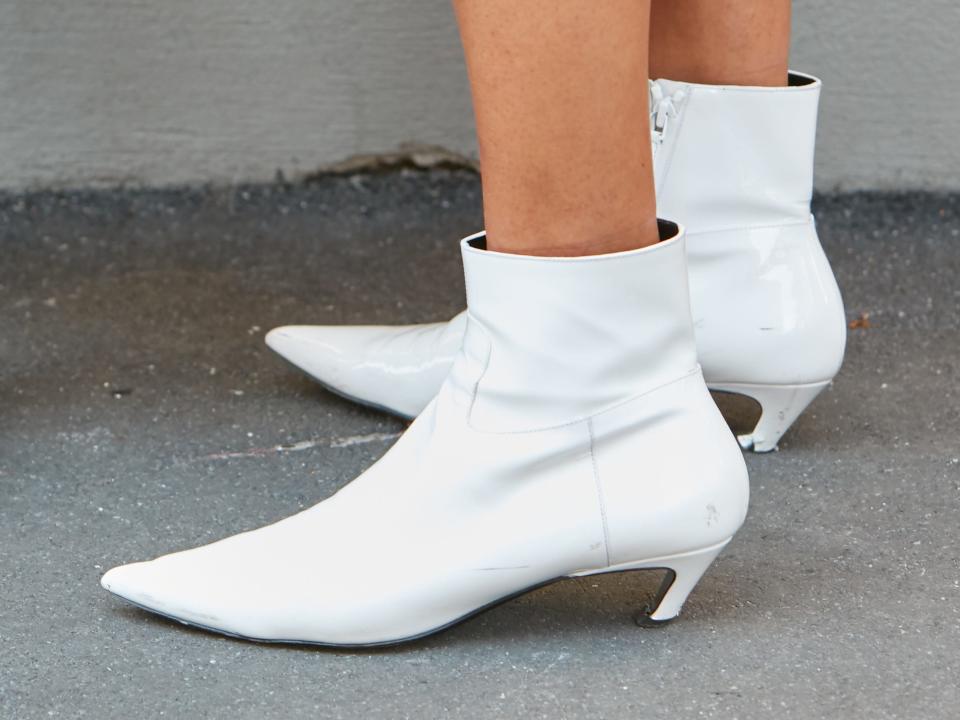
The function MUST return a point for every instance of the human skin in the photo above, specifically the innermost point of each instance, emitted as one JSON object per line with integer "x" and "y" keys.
{"x": 560, "y": 100}
{"x": 720, "y": 42}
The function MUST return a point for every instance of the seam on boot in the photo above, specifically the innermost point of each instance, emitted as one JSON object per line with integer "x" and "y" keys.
{"x": 471, "y": 320}
{"x": 696, "y": 370}
{"x": 600, "y": 497}
{"x": 759, "y": 226}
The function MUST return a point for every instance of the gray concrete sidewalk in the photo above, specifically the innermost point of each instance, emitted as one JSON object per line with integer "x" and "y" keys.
{"x": 138, "y": 405}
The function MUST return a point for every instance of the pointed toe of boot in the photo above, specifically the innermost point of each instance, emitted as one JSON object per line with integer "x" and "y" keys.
{"x": 187, "y": 587}
{"x": 336, "y": 357}
{"x": 394, "y": 369}
{"x": 323, "y": 352}
{"x": 127, "y": 581}
{"x": 151, "y": 586}
{"x": 156, "y": 586}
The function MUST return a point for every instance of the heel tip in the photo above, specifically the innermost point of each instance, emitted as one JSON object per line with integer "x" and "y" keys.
{"x": 750, "y": 444}
{"x": 642, "y": 619}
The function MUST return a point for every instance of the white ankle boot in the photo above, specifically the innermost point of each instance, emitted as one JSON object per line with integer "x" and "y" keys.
{"x": 735, "y": 165}
{"x": 573, "y": 436}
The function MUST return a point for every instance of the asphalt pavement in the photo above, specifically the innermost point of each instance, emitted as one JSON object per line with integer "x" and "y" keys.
{"x": 140, "y": 411}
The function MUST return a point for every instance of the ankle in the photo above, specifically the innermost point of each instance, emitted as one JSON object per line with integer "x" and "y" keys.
{"x": 564, "y": 240}
{"x": 774, "y": 74}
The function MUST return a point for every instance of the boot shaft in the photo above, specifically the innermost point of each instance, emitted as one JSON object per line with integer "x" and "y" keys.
{"x": 729, "y": 156}
{"x": 553, "y": 340}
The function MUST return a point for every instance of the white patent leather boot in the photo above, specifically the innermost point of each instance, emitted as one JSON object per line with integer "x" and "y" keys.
{"x": 768, "y": 316}
{"x": 735, "y": 166}
{"x": 573, "y": 436}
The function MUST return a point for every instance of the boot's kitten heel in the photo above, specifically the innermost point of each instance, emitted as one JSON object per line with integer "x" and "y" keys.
{"x": 780, "y": 406}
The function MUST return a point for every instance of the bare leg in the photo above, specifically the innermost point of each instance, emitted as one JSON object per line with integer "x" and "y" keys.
{"x": 561, "y": 109}
{"x": 720, "y": 42}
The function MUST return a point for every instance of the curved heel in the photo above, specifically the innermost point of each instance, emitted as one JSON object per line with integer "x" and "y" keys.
{"x": 683, "y": 573}
{"x": 780, "y": 406}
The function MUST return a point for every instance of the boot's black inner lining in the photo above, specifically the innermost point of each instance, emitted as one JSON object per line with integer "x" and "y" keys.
{"x": 666, "y": 229}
